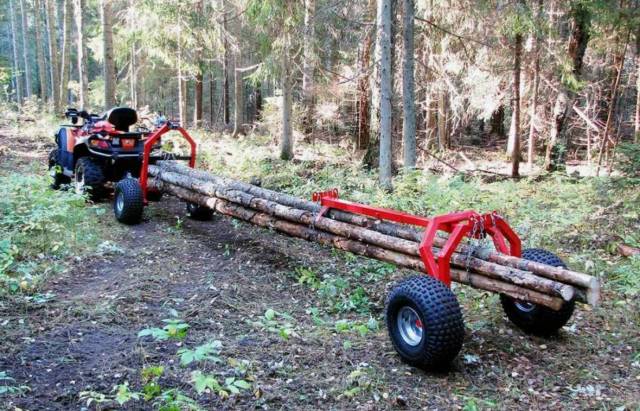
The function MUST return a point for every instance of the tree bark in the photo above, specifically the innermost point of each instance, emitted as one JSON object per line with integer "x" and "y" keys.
{"x": 308, "y": 69}
{"x": 515, "y": 153}
{"x": 42, "y": 70}
{"x": 384, "y": 35}
{"x": 636, "y": 137}
{"x": 54, "y": 56}
{"x": 531, "y": 149}
{"x": 66, "y": 53}
{"x": 25, "y": 50}
{"x": 182, "y": 88}
{"x": 225, "y": 64}
{"x": 81, "y": 50}
{"x": 238, "y": 96}
{"x": 576, "y": 48}
{"x": 286, "y": 140}
{"x": 197, "y": 101}
{"x": 17, "y": 75}
{"x": 408, "y": 89}
{"x": 443, "y": 133}
{"x": 109, "y": 62}
{"x": 372, "y": 155}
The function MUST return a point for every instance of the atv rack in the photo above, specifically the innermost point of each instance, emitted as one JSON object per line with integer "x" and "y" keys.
{"x": 457, "y": 224}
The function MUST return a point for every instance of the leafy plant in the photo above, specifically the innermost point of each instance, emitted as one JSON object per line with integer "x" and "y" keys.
{"x": 307, "y": 276}
{"x": 232, "y": 385}
{"x": 275, "y": 322}
{"x": 174, "y": 329}
{"x": 7, "y": 387}
{"x": 205, "y": 352}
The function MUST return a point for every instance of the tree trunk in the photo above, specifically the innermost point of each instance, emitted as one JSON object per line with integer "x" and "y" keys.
{"x": 54, "y": 56}
{"x": 225, "y": 64}
{"x": 238, "y": 96}
{"x": 66, "y": 53}
{"x": 577, "y": 46}
{"x": 613, "y": 97}
{"x": 197, "y": 101}
{"x": 531, "y": 149}
{"x": 42, "y": 70}
{"x": 182, "y": 87}
{"x": 81, "y": 50}
{"x": 308, "y": 69}
{"x": 364, "y": 58}
{"x": 17, "y": 75}
{"x": 515, "y": 154}
{"x": 25, "y": 50}
{"x": 384, "y": 34}
{"x": 443, "y": 132}
{"x": 408, "y": 89}
{"x": 497, "y": 122}
{"x": 372, "y": 155}
{"x": 636, "y": 137}
{"x": 109, "y": 62}
{"x": 286, "y": 141}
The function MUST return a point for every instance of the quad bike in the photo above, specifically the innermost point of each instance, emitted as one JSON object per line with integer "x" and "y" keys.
{"x": 102, "y": 150}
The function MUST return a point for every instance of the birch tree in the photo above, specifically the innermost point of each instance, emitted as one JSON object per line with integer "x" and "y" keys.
{"x": 308, "y": 69}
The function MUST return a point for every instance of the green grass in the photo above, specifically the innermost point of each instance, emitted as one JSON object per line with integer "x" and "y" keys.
{"x": 39, "y": 229}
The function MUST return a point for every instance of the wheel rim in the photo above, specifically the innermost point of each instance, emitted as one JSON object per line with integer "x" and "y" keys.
{"x": 119, "y": 203}
{"x": 525, "y": 306}
{"x": 410, "y": 326}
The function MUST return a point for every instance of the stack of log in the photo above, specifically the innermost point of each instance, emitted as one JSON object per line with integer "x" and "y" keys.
{"x": 481, "y": 268}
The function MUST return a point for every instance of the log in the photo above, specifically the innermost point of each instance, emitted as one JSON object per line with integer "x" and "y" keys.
{"x": 515, "y": 276}
{"x": 310, "y": 234}
{"x": 626, "y": 250}
{"x": 589, "y": 286}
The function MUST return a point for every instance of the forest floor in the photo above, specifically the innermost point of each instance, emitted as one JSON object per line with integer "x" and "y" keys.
{"x": 300, "y": 325}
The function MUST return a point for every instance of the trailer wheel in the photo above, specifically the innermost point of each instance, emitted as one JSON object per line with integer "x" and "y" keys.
{"x": 533, "y": 318}
{"x": 198, "y": 212}
{"x": 424, "y": 322}
{"x": 128, "y": 203}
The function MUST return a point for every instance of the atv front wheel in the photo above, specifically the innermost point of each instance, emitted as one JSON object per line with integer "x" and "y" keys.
{"x": 424, "y": 322}
{"x": 55, "y": 170}
{"x": 128, "y": 203}
{"x": 88, "y": 177}
{"x": 198, "y": 212}
{"x": 533, "y": 318}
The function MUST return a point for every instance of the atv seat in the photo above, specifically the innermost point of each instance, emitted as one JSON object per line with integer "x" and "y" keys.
{"x": 121, "y": 118}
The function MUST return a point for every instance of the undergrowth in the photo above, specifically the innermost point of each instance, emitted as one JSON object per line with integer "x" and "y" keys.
{"x": 39, "y": 228}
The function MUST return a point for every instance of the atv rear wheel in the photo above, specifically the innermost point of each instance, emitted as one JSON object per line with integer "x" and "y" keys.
{"x": 424, "y": 322}
{"x": 128, "y": 203}
{"x": 198, "y": 212}
{"x": 55, "y": 170}
{"x": 533, "y": 318}
{"x": 88, "y": 178}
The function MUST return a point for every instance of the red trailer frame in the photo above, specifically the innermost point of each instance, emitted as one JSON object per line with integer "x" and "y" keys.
{"x": 457, "y": 224}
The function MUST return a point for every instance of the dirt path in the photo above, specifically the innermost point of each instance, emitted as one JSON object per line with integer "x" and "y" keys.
{"x": 220, "y": 276}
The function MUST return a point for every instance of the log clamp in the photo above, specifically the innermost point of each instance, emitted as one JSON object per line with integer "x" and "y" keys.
{"x": 458, "y": 225}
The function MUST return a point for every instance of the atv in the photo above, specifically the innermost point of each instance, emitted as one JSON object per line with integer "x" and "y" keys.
{"x": 102, "y": 150}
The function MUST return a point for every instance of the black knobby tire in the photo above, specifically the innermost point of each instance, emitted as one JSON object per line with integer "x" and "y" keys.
{"x": 89, "y": 177}
{"x": 198, "y": 212}
{"x": 435, "y": 338}
{"x": 58, "y": 179}
{"x": 128, "y": 203}
{"x": 533, "y": 318}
